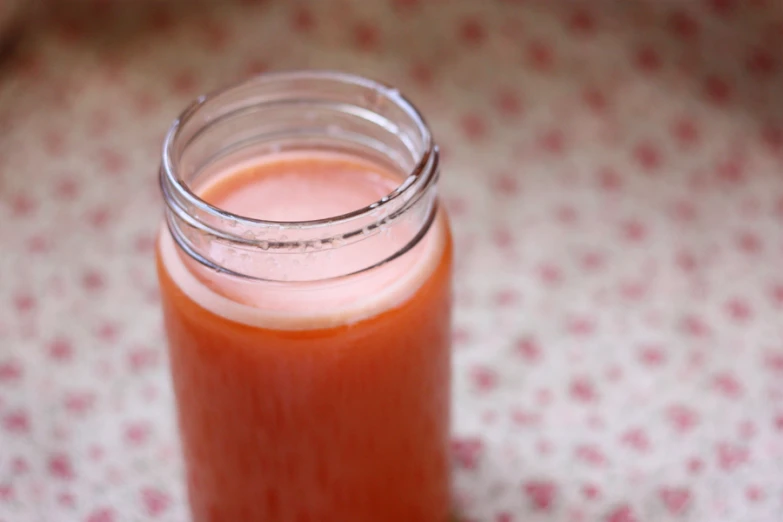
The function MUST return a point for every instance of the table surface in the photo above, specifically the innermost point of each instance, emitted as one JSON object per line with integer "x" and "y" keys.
{"x": 613, "y": 171}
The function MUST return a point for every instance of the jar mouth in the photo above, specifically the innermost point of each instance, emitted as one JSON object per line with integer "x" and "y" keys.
{"x": 421, "y": 176}
{"x": 298, "y": 111}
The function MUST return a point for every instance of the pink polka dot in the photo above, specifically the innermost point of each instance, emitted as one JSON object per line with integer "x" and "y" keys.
{"x": 595, "y": 99}
{"x": 302, "y": 19}
{"x": 696, "y": 326}
{"x": 160, "y": 18}
{"x": 472, "y": 31}
{"x": 540, "y": 56}
{"x": 723, "y": 8}
{"x": 776, "y": 293}
{"x": 676, "y": 500}
{"x": 695, "y": 466}
{"x": 685, "y": 132}
{"x": 184, "y": 83}
{"x": 652, "y": 355}
{"x": 11, "y": 371}
{"x": 647, "y": 59}
{"x": 683, "y": 418}
{"x": 6, "y": 492}
{"x": 107, "y": 331}
{"x": 66, "y": 188}
{"x": 505, "y": 184}
{"x": 216, "y": 36}
{"x": 718, "y": 90}
{"x": 60, "y": 467}
{"x": 634, "y": 230}
{"x": 422, "y": 74}
{"x": 66, "y": 499}
{"x": 683, "y": 25}
{"x": 156, "y": 502}
{"x": 485, "y": 379}
{"x": 728, "y": 385}
{"x": 508, "y": 103}
{"x": 580, "y": 326}
{"x": 16, "y": 422}
{"x": 142, "y": 357}
{"x": 749, "y": 242}
{"x": 98, "y": 217}
{"x": 60, "y": 350}
{"x": 255, "y": 66}
{"x": 772, "y": 137}
{"x": 730, "y": 456}
{"x": 738, "y": 309}
{"x": 79, "y": 403}
{"x": 582, "y": 389}
{"x": 541, "y": 494}
{"x": 93, "y": 281}
{"x": 102, "y": 515}
{"x": 550, "y": 273}
{"x": 23, "y": 205}
{"x": 684, "y": 211}
{"x": 474, "y": 126}
{"x": 504, "y": 517}
{"x": 754, "y": 493}
{"x": 761, "y": 63}
{"x": 648, "y": 156}
{"x": 731, "y": 171}
{"x": 24, "y": 302}
{"x": 366, "y": 36}
{"x": 552, "y": 141}
{"x": 528, "y": 348}
{"x": 591, "y": 491}
{"x": 581, "y": 22}
{"x": 137, "y": 433}
{"x": 19, "y": 466}
{"x": 54, "y": 143}
{"x": 622, "y": 514}
{"x": 609, "y": 179}
{"x": 467, "y": 451}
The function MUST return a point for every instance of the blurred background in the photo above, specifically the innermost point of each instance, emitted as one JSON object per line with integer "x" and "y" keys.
{"x": 613, "y": 172}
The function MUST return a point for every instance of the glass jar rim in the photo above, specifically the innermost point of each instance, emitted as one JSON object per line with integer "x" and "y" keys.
{"x": 416, "y": 182}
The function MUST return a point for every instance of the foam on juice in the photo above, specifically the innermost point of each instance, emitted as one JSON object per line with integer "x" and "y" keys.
{"x": 301, "y": 187}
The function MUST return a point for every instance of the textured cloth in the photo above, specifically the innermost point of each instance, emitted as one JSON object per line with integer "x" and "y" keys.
{"x": 613, "y": 171}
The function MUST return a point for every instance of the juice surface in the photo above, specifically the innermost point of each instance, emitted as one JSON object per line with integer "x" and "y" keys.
{"x": 326, "y": 404}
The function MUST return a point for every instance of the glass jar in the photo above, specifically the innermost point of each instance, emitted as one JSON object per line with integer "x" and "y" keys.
{"x": 305, "y": 271}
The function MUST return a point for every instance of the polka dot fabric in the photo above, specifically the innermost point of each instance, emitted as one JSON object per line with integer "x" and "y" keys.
{"x": 613, "y": 171}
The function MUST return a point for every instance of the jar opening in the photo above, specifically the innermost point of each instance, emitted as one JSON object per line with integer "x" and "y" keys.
{"x": 297, "y": 112}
